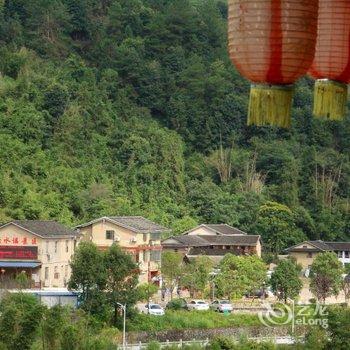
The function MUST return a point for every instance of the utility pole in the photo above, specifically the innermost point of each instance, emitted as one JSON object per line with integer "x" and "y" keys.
{"x": 123, "y": 307}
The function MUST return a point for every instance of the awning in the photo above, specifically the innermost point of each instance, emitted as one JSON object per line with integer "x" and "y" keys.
{"x": 24, "y": 264}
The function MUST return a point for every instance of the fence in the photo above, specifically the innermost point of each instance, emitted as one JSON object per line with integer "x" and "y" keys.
{"x": 287, "y": 340}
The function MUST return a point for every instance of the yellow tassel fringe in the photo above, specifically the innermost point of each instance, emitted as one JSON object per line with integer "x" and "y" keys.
{"x": 270, "y": 105}
{"x": 330, "y": 99}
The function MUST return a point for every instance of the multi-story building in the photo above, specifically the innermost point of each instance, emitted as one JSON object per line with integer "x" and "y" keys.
{"x": 214, "y": 241}
{"x": 42, "y": 249}
{"x": 304, "y": 253}
{"x": 135, "y": 235}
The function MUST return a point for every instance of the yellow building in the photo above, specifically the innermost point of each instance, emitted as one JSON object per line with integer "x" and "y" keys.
{"x": 42, "y": 249}
{"x": 135, "y": 235}
{"x": 304, "y": 253}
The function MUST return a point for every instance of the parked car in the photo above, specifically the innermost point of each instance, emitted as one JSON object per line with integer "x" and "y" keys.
{"x": 153, "y": 309}
{"x": 221, "y": 306}
{"x": 177, "y": 304}
{"x": 197, "y": 305}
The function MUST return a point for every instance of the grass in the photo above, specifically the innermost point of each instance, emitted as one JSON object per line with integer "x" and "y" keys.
{"x": 190, "y": 320}
{"x": 207, "y": 319}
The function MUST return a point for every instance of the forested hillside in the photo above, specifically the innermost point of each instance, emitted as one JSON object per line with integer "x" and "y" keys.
{"x": 132, "y": 107}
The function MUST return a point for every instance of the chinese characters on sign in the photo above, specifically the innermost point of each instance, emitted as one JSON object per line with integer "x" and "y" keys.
{"x": 18, "y": 240}
{"x": 13, "y": 252}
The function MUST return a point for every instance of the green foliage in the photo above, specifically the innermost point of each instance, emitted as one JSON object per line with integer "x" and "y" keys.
{"x": 20, "y": 316}
{"x": 326, "y": 276}
{"x": 172, "y": 269}
{"x": 239, "y": 275}
{"x": 146, "y": 291}
{"x": 190, "y": 320}
{"x": 339, "y": 328}
{"x": 104, "y": 280}
{"x": 285, "y": 281}
{"x": 196, "y": 274}
{"x": 122, "y": 279}
{"x": 88, "y": 277}
{"x": 276, "y": 224}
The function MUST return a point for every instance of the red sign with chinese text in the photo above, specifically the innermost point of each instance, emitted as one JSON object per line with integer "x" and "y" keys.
{"x": 21, "y": 253}
{"x": 18, "y": 240}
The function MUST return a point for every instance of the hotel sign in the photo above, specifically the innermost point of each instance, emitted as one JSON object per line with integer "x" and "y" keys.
{"x": 18, "y": 240}
{"x": 18, "y": 253}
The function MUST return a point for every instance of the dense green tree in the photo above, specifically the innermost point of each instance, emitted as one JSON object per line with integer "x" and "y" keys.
{"x": 339, "y": 328}
{"x": 172, "y": 269}
{"x": 89, "y": 277}
{"x": 326, "y": 276}
{"x": 285, "y": 281}
{"x": 196, "y": 275}
{"x": 276, "y": 224}
{"x": 240, "y": 275}
{"x": 122, "y": 279}
{"x": 20, "y": 316}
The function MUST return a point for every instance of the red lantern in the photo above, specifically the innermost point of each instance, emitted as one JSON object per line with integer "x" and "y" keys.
{"x": 272, "y": 43}
{"x": 331, "y": 65}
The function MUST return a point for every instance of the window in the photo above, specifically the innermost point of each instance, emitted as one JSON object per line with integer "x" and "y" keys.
{"x": 110, "y": 235}
{"x": 340, "y": 254}
{"x": 346, "y": 255}
{"x": 144, "y": 258}
{"x": 155, "y": 236}
{"x": 155, "y": 255}
{"x": 67, "y": 246}
{"x": 46, "y": 273}
{"x": 56, "y": 275}
{"x": 145, "y": 237}
{"x": 309, "y": 255}
{"x": 56, "y": 246}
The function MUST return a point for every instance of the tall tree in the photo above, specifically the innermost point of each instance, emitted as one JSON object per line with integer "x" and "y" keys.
{"x": 326, "y": 276}
{"x": 172, "y": 269}
{"x": 196, "y": 275}
{"x": 285, "y": 281}
{"x": 89, "y": 276}
{"x": 122, "y": 279}
{"x": 239, "y": 275}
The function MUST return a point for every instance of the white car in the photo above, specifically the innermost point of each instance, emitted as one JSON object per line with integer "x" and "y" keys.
{"x": 153, "y": 309}
{"x": 221, "y": 306}
{"x": 197, "y": 305}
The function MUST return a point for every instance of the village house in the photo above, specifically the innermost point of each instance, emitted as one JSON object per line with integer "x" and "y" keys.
{"x": 214, "y": 241}
{"x": 41, "y": 249}
{"x": 304, "y": 253}
{"x": 135, "y": 235}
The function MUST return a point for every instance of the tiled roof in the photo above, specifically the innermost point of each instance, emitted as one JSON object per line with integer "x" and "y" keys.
{"x": 44, "y": 228}
{"x": 138, "y": 224}
{"x": 225, "y": 229}
{"x": 232, "y": 239}
{"x": 320, "y": 246}
{"x": 210, "y": 240}
{"x": 342, "y": 246}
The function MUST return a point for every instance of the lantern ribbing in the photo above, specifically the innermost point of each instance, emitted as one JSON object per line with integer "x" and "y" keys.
{"x": 331, "y": 66}
{"x": 272, "y": 43}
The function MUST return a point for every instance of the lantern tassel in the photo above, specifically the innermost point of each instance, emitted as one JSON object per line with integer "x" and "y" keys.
{"x": 270, "y": 105}
{"x": 330, "y": 99}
